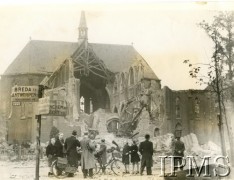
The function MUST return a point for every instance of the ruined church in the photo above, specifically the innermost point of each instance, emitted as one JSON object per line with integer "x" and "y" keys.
{"x": 108, "y": 88}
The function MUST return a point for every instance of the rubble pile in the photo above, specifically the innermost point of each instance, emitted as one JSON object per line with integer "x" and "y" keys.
{"x": 5, "y": 150}
{"x": 193, "y": 148}
{"x": 16, "y": 152}
{"x": 111, "y": 137}
{"x": 163, "y": 144}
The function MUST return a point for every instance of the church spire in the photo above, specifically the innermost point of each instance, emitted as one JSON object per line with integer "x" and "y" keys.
{"x": 83, "y": 29}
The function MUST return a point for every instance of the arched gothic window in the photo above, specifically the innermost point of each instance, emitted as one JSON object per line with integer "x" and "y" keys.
{"x": 82, "y": 101}
{"x": 197, "y": 107}
{"x": 136, "y": 74}
{"x": 115, "y": 87}
{"x": 178, "y": 107}
{"x": 131, "y": 77}
{"x": 115, "y": 110}
{"x": 140, "y": 72}
{"x": 178, "y": 130}
{"x": 122, "y": 81}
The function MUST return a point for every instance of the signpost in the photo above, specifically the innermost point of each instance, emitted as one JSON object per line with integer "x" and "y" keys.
{"x": 24, "y": 94}
{"x": 29, "y": 94}
{"x": 38, "y": 117}
{"x": 49, "y": 107}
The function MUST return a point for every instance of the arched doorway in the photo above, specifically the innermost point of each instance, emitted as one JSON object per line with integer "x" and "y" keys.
{"x": 178, "y": 130}
{"x": 113, "y": 125}
{"x": 115, "y": 110}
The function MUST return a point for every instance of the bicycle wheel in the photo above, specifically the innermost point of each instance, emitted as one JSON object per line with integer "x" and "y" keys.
{"x": 58, "y": 173}
{"x": 118, "y": 167}
{"x": 97, "y": 168}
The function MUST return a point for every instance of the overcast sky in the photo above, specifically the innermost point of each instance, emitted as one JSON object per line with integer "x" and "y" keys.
{"x": 165, "y": 34}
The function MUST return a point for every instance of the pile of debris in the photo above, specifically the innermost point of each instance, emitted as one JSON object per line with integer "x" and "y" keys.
{"x": 193, "y": 148}
{"x": 163, "y": 144}
{"x": 16, "y": 151}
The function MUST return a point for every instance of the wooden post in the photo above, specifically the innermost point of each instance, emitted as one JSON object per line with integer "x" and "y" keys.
{"x": 38, "y": 150}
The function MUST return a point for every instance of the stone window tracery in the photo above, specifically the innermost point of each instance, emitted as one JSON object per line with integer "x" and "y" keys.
{"x": 131, "y": 77}
{"x": 122, "y": 86}
{"x": 197, "y": 107}
{"x": 115, "y": 87}
{"x": 82, "y": 101}
{"x": 178, "y": 107}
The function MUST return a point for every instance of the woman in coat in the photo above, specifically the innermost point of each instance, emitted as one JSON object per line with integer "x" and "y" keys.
{"x": 51, "y": 154}
{"x": 125, "y": 157}
{"x": 59, "y": 144}
{"x": 135, "y": 159}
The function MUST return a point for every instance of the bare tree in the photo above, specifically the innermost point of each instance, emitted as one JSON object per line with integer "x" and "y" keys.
{"x": 223, "y": 27}
{"x": 220, "y": 68}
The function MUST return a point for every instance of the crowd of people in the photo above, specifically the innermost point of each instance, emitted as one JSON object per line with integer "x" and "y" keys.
{"x": 85, "y": 153}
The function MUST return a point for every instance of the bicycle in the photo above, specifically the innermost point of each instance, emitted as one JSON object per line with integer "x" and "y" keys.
{"x": 61, "y": 169}
{"x": 116, "y": 165}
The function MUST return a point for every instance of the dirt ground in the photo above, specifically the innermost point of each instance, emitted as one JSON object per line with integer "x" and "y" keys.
{"x": 25, "y": 170}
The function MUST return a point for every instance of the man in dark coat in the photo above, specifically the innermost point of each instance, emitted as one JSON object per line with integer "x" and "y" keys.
{"x": 146, "y": 150}
{"x": 178, "y": 152}
{"x": 70, "y": 146}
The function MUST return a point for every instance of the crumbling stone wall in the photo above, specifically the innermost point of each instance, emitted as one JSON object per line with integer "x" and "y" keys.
{"x": 194, "y": 111}
{"x": 20, "y": 120}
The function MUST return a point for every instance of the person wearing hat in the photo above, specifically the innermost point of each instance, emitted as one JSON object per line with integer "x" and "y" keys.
{"x": 87, "y": 156}
{"x": 70, "y": 145}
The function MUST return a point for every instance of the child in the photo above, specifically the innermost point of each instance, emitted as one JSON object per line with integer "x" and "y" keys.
{"x": 51, "y": 154}
{"x": 135, "y": 159}
{"x": 103, "y": 155}
{"x": 125, "y": 157}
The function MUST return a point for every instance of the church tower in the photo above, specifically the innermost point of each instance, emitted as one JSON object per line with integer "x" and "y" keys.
{"x": 83, "y": 29}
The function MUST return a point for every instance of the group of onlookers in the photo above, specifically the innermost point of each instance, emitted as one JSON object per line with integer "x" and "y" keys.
{"x": 131, "y": 153}
{"x": 146, "y": 151}
{"x": 71, "y": 148}
{"x": 88, "y": 149}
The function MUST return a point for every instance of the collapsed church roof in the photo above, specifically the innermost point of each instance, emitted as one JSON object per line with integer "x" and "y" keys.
{"x": 45, "y": 56}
